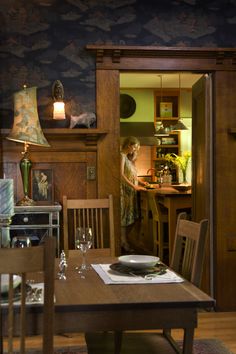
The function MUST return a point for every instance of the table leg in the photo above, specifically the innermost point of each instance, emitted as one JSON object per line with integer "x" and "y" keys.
{"x": 171, "y": 225}
{"x": 188, "y": 341}
{"x": 117, "y": 341}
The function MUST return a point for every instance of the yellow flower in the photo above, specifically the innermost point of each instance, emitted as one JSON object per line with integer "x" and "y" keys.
{"x": 179, "y": 161}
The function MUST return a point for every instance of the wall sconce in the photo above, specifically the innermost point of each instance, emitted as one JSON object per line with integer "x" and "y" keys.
{"x": 58, "y": 96}
{"x": 27, "y": 130}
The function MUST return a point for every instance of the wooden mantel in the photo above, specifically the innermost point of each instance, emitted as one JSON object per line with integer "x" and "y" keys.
{"x": 88, "y": 136}
{"x": 70, "y": 154}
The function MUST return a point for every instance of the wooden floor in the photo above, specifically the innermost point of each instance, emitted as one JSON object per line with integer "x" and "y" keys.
{"x": 220, "y": 325}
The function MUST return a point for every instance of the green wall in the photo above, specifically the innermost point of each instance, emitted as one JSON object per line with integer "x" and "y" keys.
{"x": 144, "y": 99}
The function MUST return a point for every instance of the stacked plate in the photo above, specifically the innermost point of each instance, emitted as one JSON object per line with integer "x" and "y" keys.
{"x": 138, "y": 261}
{"x": 138, "y": 265}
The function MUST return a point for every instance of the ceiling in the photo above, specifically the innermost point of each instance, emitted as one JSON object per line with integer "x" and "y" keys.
{"x": 153, "y": 80}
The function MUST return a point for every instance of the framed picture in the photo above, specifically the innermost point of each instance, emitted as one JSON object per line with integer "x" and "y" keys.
{"x": 166, "y": 109}
{"x": 42, "y": 186}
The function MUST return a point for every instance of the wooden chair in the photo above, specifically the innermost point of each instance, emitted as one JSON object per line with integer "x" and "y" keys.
{"x": 159, "y": 218}
{"x": 20, "y": 261}
{"x": 189, "y": 248}
{"x": 187, "y": 260}
{"x": 94, "y": 213}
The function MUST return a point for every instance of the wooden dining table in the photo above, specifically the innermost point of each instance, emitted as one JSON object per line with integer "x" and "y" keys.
{"x": 89, "y": 305}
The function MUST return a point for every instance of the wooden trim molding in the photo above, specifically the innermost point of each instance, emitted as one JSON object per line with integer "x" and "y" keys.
{"x": 88, "y": 136}
{"x": 113, "y": 56}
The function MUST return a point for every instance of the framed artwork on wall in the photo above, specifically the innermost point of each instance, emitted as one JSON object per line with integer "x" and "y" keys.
{"x": 42, "y": 186}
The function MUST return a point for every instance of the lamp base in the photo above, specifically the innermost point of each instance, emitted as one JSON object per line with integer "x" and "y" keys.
{"x": 26, "y": 201}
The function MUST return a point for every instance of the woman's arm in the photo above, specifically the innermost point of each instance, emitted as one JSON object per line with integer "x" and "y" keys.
{"x": 123, "y": 176}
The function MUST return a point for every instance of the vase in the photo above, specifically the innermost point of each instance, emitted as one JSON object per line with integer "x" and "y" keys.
{"x": 184, "y": 177}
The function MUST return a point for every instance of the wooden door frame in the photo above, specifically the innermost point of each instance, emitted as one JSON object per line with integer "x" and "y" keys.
{"x": 111, "y": 60}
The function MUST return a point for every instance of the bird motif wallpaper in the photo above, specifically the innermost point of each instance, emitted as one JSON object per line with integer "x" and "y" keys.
{"x": 44, "y": 40}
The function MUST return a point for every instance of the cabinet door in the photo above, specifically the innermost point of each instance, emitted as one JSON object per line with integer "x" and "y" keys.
{"x": 168, "y": 145}
{"x": 166, "y": 108}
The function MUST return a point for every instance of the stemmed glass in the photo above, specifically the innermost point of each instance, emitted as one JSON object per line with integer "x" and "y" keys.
{"x": 21, "y": 241}
{"x": 83, "y": 242}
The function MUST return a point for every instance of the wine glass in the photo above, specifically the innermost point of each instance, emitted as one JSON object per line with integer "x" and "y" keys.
{"x": 20, "y": 242}
{"x": 83, "y": 242}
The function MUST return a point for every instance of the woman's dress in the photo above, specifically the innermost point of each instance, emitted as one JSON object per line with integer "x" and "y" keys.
{"x": 129, "y": 200}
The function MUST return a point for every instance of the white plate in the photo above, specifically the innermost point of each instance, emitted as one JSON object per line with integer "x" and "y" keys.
{"x": 138, "y": 261}
{"x": 5, "y": 280}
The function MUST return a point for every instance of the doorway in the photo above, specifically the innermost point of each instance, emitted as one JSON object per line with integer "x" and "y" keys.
{"x": 141, "y": 87}
{"x": 110, "y": 61}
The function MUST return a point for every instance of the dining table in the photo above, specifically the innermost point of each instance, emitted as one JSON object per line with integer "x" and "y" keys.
{"x": 88, "y": 304}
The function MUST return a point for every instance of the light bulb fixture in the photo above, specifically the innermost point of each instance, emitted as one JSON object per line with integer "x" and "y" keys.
{"x": 179, "y": 125}
{"x": 160, "y": 129}
{"x": 27, "y": 130}
{"x": 58, "y": 96}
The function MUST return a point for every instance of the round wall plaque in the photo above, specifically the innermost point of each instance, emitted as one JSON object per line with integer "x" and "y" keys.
{"x": 127, "y": 105}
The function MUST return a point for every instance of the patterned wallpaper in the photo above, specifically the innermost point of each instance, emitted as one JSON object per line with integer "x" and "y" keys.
{"x": 44, "y": 40}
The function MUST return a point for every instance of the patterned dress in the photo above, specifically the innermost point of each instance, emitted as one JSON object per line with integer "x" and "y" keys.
{"x": 129, "y": 200}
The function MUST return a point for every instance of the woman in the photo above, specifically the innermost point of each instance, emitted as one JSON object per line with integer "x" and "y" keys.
{"x": 130, "y": 184}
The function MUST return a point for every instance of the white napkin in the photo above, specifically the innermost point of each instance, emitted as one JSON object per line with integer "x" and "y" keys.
{"x": 112, "y": 277}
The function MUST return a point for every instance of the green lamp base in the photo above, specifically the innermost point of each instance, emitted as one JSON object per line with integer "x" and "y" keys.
{"x": 26, "y": 201}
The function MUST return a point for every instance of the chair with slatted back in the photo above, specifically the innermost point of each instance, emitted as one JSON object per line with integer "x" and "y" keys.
{"x": 94, "y": 213}
{"x": 189, "y": 248}
{"x": 13, "y": 318}
{"x": 159, "y": 218}
{"x": 187, "y": 260}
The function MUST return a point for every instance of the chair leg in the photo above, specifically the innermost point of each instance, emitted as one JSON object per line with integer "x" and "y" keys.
{"x": 155, "y": 238}
{"x": 117, "y": 342}
{"x": 161, "y": 239}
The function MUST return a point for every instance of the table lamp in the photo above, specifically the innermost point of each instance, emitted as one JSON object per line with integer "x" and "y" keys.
{"x": 26, "y": 130}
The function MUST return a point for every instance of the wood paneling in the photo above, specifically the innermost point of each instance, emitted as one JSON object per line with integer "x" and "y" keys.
{"x": 68, "y": 156}
{"x": 108, "y": 112}
{"x": 225, "y": 191}
{"x": 220, "y": 61}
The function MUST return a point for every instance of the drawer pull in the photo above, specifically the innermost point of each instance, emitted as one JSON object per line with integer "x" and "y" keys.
{"x": 25, "y": 219}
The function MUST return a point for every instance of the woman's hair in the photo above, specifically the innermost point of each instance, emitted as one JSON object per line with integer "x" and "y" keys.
{"x": 130, "y": 140}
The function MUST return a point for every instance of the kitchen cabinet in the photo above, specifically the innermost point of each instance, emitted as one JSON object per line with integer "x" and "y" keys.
{"x": 166, "y": 111}
{"x": 167, "y": 145}
{"x": 166, "y": 106}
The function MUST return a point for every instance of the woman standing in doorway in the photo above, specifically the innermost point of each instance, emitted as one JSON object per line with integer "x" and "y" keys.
{"x": 130, "y": 184}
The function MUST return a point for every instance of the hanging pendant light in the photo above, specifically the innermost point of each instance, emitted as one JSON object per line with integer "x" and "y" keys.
{"x": 161, "y": 130}
{"x": 179, "y": 125}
